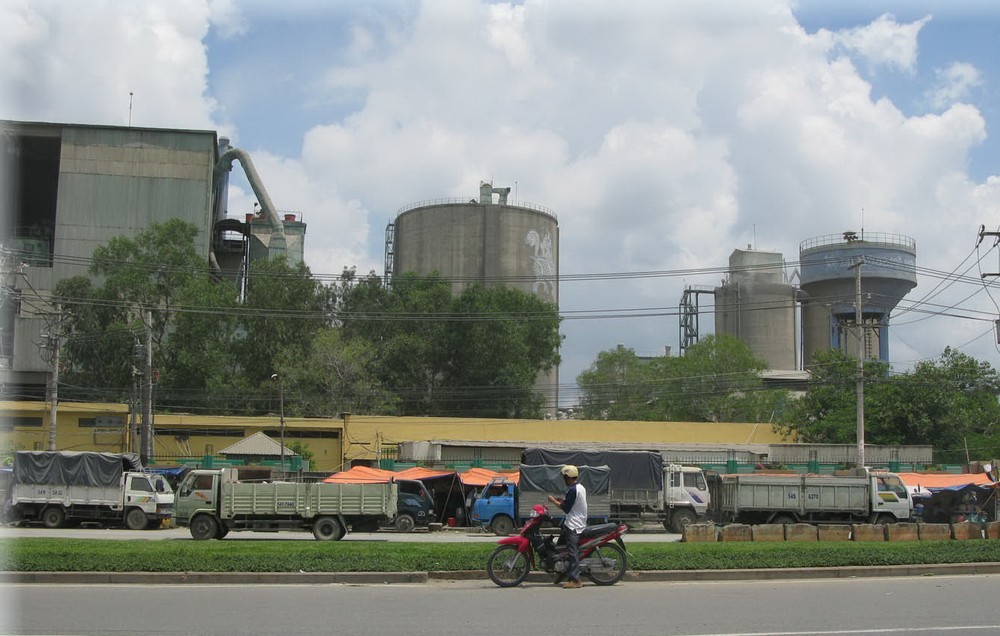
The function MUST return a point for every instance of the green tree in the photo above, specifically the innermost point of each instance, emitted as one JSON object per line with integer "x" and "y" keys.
{"x": 407, "y": 327}
{"x": 201, "y": 370}
{"x": 472, "y": 354}
{"x": 336, "y": 376}
{"x": 717, "y": 380}
{"x": 620, "y": 386}
{"x": 498, "y": 340}
{"x": 105, "y": 325}
{"x": 944, "y": 402}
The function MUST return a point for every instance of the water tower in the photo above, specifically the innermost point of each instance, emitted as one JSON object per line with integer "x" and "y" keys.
{"x": 828, "y": 279}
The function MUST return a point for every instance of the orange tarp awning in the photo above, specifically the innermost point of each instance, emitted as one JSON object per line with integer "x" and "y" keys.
{"x": 942, "y": 480}
{"x": 422, "y": 473}
{"x": 361, "y": 475}
{"x": 482, "y": 476}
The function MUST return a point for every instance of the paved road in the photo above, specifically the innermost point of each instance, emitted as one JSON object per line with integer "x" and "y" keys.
{"x": 917, "y": 606}
{"x": 450, "y": 535}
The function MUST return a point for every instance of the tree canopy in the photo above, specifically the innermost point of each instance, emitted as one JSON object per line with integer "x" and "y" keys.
{"x": 357, "y": 346}
{"x": 950, "y": 403}
{"x": 717, "y": 380}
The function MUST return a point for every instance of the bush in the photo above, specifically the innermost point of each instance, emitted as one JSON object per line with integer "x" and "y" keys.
{"x": 92, "y": 555}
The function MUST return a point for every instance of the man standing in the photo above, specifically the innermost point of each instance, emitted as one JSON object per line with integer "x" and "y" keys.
{"x": 574, "y": 504}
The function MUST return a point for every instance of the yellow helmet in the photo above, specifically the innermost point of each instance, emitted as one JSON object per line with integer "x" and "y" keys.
{"x": 569, "y": 470}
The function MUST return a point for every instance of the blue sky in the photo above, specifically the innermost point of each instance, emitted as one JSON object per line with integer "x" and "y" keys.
{"x": 665, "y": 134}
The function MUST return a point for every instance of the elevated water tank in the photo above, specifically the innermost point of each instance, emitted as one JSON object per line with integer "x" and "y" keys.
{"x": 486, "y": 240}
{"x": 757, "y": 305}
{"x": 828, "y": 280}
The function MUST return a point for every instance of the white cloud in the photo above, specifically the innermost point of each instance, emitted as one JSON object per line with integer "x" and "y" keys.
{"x": 954, "y": 84}
{"x": 78, "y": 62}
{"x": 884, "y": 42}
{"x": 664, "y": 135}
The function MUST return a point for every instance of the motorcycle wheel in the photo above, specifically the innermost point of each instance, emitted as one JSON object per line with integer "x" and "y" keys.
{"x": 607, "y": 564}
{"x": 507, "y": 567}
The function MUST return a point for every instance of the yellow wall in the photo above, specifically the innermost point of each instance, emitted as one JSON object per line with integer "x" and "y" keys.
{"x": 363, "y": 436}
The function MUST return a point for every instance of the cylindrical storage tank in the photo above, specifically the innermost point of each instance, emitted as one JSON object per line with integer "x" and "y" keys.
{"x": 829, "y": 290}
{"x": 757, "y": 305}
{"x": 482, "y": 241}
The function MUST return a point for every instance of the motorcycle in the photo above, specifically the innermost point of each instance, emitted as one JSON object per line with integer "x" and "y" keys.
{"x": 602, "y": 553}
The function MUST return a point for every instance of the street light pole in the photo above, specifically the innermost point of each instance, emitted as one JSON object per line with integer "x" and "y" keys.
{"x": 281, "y": 402}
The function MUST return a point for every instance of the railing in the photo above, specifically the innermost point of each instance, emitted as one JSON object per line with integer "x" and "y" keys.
{"x": 847, "y": 238}
{"x": 474, "y": 201}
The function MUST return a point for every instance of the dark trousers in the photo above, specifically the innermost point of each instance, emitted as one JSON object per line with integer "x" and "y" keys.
{"x": 572, "y": 542}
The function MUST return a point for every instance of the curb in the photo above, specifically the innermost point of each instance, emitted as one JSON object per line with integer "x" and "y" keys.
{"x": 385, "y": 578}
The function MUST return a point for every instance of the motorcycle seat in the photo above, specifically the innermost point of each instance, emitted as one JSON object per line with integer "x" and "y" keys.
{"x": 593, "y": 531}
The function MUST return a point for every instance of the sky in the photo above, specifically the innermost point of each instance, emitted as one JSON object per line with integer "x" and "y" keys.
{"x": 664, "y": 134}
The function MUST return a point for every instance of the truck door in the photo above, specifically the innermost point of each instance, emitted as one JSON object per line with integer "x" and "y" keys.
{"x": 139, "y": 492}
{"x": 891, "y": 496}
{"x": 198, "y": 491}
{"x": 496, "y": 498}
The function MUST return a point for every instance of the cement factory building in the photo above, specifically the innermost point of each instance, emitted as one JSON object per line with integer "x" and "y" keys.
{"x": 68, "y": 189}
{"x": 758, "y": 303}
{"x": 489, "y": 241}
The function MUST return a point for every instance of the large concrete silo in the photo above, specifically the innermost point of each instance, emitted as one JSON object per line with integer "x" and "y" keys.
{"x": 756, "y": 304}
{"x": 488, "y": 241}
{"x": 828, "y": 266}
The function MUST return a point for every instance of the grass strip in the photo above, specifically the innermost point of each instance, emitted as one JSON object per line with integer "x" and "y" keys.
{"x": 92, "y": 555}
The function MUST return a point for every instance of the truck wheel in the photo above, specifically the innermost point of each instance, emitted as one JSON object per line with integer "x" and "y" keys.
{"x": 502, "y": 525}
{"x": 405, "y": 523}
{"x": 682, "y": 519}
{"x": 783, "y": 520}
{"x": 54, "y": 517}
{"x": 135, "y": 519}
{"x": 327, "y": 529}
{"x": 203, "y": 527}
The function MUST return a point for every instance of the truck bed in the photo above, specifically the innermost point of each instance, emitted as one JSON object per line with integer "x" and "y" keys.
{"x": 794, "y": 493}
{"x": 307, "y": 499}
{"x": 65, "y": 495}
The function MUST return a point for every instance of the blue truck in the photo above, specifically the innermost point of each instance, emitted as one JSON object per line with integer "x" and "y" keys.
{"x": 641, "y": 489}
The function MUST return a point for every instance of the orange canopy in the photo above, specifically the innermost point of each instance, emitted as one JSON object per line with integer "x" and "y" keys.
{"x": 361, "y": 475}
{"x": 483, "y": 476}
{"x": 366, "y": 475}
{"x": 942, "y": 480}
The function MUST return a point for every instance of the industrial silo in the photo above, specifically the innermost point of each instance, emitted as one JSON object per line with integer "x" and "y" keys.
{"x": 488, "y": 241}
{"x": 829, "y": 279}
{"x": 756, "y": 304}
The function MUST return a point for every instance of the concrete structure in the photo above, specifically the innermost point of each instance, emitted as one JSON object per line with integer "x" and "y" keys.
{"x": 756, "y": 304}
{"x": 67, "y": 189}
{"x": 487, "y": 241}
{"x": 828, "y": 281}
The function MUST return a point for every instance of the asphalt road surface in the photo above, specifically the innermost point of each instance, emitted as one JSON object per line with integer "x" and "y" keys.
{"x": 917, "y": 606}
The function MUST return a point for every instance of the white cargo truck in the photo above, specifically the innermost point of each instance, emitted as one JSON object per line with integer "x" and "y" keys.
{"x": 64, "y": 488}
{"x": 211, "y": 503}
{"x": 864, "y": 496}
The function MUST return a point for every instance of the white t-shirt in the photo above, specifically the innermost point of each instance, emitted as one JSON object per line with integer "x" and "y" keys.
{"x": 576, "y": 516}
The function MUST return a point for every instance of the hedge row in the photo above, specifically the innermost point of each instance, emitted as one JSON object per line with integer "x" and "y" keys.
{"x": 90, "y": 555}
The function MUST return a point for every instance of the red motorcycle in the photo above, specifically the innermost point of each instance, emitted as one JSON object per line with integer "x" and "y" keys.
{"x": 602, "y": 553}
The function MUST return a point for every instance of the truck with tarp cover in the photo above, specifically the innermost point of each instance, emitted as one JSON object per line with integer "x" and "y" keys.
{"x": 642, "y": 486}
{"x": 211, "y": 503}
{"x": 65, "y": 488}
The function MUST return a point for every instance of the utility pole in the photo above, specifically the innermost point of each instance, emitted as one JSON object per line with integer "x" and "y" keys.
{"x": 860, "y": 385}
{"x": 146, "y": 437}
{"x": 54, "y": 342}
